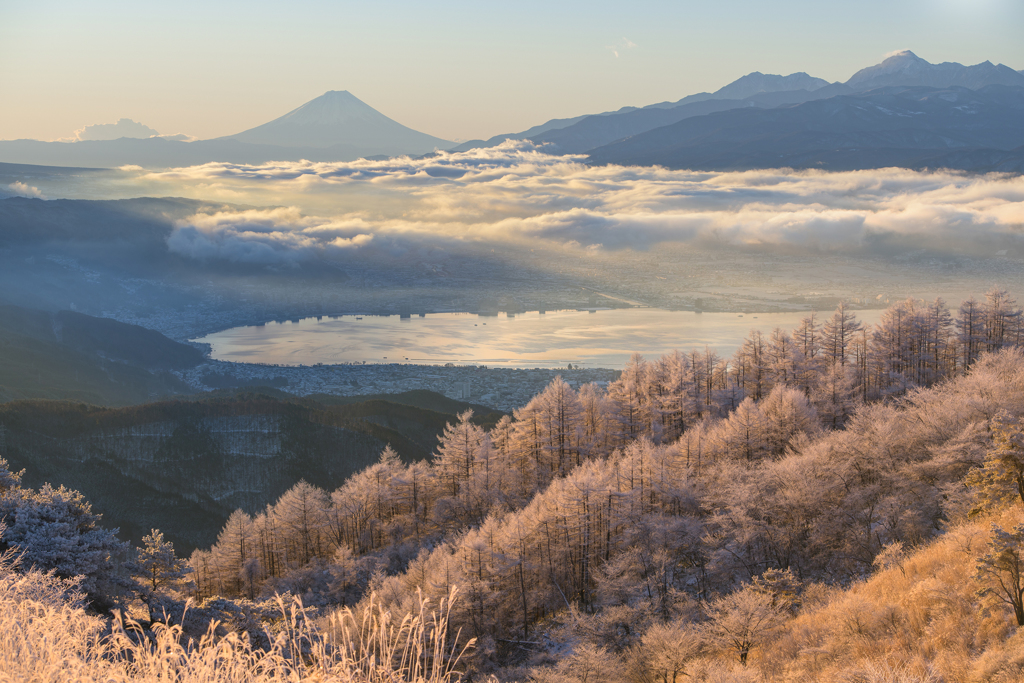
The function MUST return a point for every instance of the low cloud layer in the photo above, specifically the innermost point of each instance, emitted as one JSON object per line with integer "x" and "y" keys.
{"x": 124, "y": 128}
{"x": 517, "y": 194}
{"x": 271, "y": 237}
{"x": 20, "y": 189}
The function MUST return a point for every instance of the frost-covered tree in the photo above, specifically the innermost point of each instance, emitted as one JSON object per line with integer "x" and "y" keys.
{"x": 743, "y": 620}
{"x": 669, "y": 650}
{"x": 1001, "y": 568}
{"x": 630, "y": 396}
{"x": 744, "y": 434}
{"x": 592, "y": 664}
{"x": 560, "y": 415}
{"x": 158, "y": 565}
{"x": 595, "y": 421}
{"x": 56, "y": 529}
{"x": 837, "y": 333}
{"x": 232, "y": 555}
{"x": 807, "y": 337}
{"x": 675, "y": 396}
{"x": 971, "y": 334}
{"x": 751, "y": 366}
{"x": 787, "y": 415}
{"x": 894, "y": 344}
{"x": 1000, "y": 479}
{"x": 834, "y": 396}
{"x": 301, "y": 524}
{"x": 784, "y": 358}
{"x": 457, "y": 450}
{"x": 1002, "y": 323}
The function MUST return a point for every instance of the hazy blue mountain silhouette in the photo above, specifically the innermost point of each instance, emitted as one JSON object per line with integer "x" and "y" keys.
{"x": 892, "y": 126}
{"x": 582, "y": 133}
{"x": 336, "y": 126}
{"x": 755, "y": 90}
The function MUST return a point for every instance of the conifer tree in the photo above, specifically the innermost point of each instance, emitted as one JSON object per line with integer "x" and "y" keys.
{"x": 158, "y": 564}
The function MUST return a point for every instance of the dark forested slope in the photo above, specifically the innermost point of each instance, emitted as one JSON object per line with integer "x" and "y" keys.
{"x": 183, "y": 466}
{"x": 71, "y": 356}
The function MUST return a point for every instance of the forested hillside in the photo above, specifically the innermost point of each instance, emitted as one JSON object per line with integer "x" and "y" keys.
{"x": 832, "y": 503}
{"x": 71, "y": 356}
{"x": 184, "y": 465}
{"x": 808, "y": 452}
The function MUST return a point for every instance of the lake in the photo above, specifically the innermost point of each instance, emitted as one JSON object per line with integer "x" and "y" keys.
{"x": 599, "y": 338}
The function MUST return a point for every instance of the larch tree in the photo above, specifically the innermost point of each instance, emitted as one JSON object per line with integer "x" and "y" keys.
{"x": 231, "y": 555}
{"x": 834, "y": 396}
{"x": 595, "y": 419}
{"x": 807, "y": 338}
{"x": 1000, "y": 479}
{"x": 1001, "y": 569}
{"x": 669, "y": 649}
{"x": 744, "y": 434}
{"x": 894, "y": 343}
{"x": 630, "y": 395}
{"x": 971, "y": 333}
{"x": 560, "y": 417}
{"x": 675, "y": 395}
{"x": 300, "y": 518}
{"x": 1002, "y": 320}
{"x": 784, "y": 357}
{"x": 787, "y": 415}
{"x": 751, "y": 366}
{"x": 457, "y": 452}
{"x": 743, "y": 620}
{"x": 837, "y": 333}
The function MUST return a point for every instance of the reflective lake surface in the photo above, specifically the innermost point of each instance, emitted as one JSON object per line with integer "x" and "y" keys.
{"x": 601, "y": 338}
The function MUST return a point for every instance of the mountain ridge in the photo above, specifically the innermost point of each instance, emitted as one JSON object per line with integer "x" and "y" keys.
{"x": 908, "y": 126}
{"x": 336, "y": 126}
{"x": 760, "y": 90}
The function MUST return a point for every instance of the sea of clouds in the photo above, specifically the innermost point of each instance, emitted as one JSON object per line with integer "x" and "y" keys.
{"x": 516, "y": 194}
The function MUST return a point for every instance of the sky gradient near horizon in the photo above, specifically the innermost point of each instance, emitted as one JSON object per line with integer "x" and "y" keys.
{"x": 458, "y": 69}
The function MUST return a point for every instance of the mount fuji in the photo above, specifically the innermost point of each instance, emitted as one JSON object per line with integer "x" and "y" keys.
{"x": 340, "y": 120}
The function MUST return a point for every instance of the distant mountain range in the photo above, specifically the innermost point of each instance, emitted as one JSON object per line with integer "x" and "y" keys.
{"x": 916, "y": 127}
{"x": 946, "y": 114}
{"x": 723, "y": 137}
{"x": 337, "y": 126}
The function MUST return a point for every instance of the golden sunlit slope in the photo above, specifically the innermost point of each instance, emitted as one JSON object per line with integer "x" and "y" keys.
{"x": 920, "y": 618}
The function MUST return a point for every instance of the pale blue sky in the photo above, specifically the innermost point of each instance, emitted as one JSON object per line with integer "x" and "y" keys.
{"x": 457, "y": 70}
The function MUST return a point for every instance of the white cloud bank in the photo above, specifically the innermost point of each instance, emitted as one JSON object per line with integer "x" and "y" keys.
{"x": 270, "y": 237}
{"x": 20, "y": 189}
{"x": 124, "y": 128}
{"x": 517, "y": 194}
